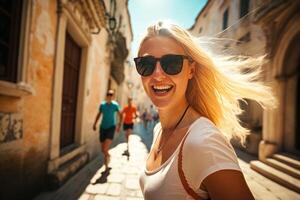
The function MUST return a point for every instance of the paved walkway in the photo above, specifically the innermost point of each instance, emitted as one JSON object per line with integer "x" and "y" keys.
{"x": 121, "y": 182}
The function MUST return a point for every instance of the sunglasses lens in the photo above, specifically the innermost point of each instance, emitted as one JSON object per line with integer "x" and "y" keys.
{"x": 145, "y": 65}
{"x": 172, "y": 64}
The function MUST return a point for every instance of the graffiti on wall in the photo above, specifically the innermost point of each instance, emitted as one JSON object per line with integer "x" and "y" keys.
{"x": 11, "y": 127}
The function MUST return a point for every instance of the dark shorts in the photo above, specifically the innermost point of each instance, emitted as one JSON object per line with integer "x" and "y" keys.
{"x": 127, "y": 126}
{"x": 107, "y": 133}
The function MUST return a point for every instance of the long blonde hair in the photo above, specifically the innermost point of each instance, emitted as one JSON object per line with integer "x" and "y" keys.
{"x": 219, "y": 83}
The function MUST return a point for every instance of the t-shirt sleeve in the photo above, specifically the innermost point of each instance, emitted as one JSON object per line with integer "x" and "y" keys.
{"x": 206, "y": 151}
{"x": 101, "y": 107}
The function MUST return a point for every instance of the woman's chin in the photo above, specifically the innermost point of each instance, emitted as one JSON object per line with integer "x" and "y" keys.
{"x": 160, "y": 103}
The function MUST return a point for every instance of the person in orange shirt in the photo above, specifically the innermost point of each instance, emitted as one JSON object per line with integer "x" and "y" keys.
{"x": 129, "y": 113}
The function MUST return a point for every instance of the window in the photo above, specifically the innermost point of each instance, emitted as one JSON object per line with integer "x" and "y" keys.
{"x": 244, "y": 7}
{"x": 225, "y": 19}
{"x": 10, "y": 22}
{"x": 200, "y": 29}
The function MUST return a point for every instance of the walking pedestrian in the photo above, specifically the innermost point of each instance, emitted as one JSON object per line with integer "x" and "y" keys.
{"x": 198, "y": 105}
{"x": 154, "y": 115}
{"x": 108, "y": 108}
{"x": 129, "y": 113}
{"x": 148, "y": 118}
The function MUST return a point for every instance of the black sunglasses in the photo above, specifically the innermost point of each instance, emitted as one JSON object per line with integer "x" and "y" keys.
{"x": 170, "y": 63}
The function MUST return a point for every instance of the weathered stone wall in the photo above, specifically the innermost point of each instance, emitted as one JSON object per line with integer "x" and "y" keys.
{"x": 26, "y": 131}
{"x": 23, "y": 157}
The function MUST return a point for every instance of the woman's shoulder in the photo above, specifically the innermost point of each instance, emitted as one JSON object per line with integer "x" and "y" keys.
{"x": 203, "y": 133}
{"x": 203, "y": 126}
{"x": 205, "y": 151}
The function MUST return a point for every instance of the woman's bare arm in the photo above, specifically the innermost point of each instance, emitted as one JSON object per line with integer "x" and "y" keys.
{"x": 227, "y": 185}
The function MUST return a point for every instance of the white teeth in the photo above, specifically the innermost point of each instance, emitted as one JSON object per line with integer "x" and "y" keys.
{"x": 162, "y": 88}
{"x": 165, "y": 87}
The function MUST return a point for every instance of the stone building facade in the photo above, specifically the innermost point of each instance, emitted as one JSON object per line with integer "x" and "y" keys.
{"x": 55, "y": 66}
{"x": 120, "y": 56}
{"x": 270, "y": 28}
{"x": 239, "y": 36}
{"x": 280, "y": 21}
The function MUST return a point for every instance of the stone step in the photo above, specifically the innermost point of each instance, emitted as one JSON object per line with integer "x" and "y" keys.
{"x": 283, "y": 167}
{"x": 65, "y": 171}
{"x": 288, "y": 159}
{"x": 276, "y": 175}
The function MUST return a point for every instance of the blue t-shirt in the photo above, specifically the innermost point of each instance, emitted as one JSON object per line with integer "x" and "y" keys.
{"x": 109, "y": 111}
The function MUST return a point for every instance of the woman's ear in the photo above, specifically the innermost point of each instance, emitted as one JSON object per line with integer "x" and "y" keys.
{"x": 192, "y": 69}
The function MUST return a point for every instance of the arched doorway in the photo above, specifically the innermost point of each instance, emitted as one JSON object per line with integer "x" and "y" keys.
{"x": 297, "y": 132}
{"x": 290, "y": 74}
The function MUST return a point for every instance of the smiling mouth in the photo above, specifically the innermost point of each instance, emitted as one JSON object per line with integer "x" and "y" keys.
{"x": 161, "y": 89}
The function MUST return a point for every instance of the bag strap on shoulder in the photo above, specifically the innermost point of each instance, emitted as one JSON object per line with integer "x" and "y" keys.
{"x": 183, "y": 180}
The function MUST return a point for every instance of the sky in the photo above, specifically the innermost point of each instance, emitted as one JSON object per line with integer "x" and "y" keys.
{"x": 146, "y": 12}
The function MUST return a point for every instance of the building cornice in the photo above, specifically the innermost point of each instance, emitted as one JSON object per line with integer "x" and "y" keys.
{"x": 89, "y": 14}
{"x": 206, "y": 7}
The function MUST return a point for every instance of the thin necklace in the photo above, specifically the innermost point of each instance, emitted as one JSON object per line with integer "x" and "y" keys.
{"x": 163, "y": 145}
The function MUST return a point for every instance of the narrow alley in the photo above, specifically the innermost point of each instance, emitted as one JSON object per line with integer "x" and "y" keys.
{"x": 74, "y": 72}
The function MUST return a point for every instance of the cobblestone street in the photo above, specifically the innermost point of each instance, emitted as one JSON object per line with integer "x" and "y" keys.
{"x": 121, "y": 182}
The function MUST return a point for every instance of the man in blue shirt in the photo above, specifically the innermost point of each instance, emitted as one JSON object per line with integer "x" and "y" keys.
{"x": 108, "y": 109}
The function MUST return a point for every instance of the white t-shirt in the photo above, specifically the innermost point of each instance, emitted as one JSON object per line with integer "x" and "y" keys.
{"x": 205, "y": 151}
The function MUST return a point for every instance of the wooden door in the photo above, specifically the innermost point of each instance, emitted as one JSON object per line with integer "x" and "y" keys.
{"x": 70, "y": 90}
{"x": 297, "y": 131}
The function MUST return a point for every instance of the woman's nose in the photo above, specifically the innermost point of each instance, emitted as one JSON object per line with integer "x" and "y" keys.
{"x": 158, "y": 71}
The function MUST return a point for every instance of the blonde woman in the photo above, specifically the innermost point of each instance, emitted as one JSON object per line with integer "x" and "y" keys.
{"x": 198, "y": 104}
